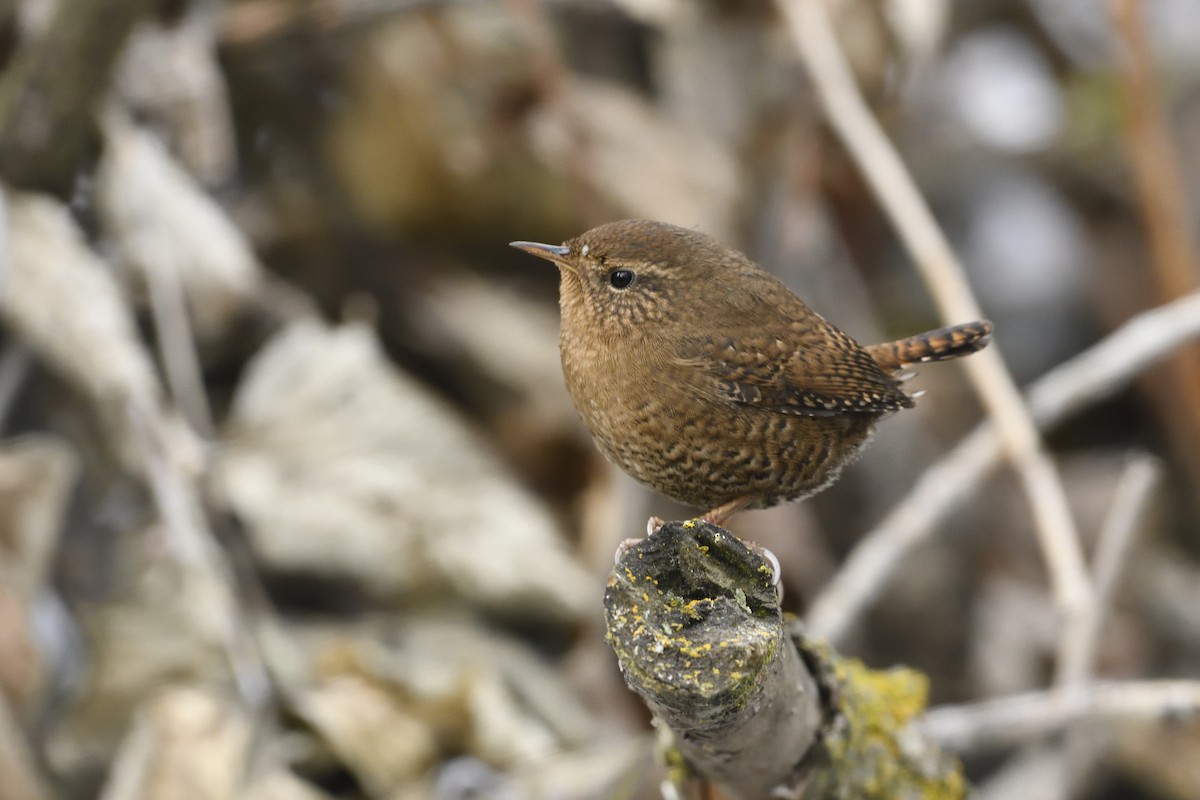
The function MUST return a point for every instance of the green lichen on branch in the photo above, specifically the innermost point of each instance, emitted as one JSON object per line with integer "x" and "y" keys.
{"x": 691, "y": 618}
{"x": 869, "y": 751}
{"x": 694, "y": 618}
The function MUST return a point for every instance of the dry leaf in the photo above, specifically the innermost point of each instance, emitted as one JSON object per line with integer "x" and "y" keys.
{"x": 61, "y": 300}
{"x": 186, "y": 744}
{"x": 393, "y": 698}
{"x": 167, "y": 228}
{"x": 343, "y": 467}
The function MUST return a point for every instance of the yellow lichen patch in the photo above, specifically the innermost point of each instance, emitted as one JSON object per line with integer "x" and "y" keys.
{"x": 690, "y": 650}
{"x": 691, "y": 523}
{"x": 863, "y": 744}
{"x": 885, "y": 699}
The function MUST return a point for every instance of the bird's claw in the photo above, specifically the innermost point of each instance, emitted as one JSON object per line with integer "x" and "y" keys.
{"x": 624, "y": 547}
{"x": 776, "y": 570}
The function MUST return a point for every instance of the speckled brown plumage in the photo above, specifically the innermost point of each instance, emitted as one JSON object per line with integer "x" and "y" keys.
{"x": 706, "y": 379}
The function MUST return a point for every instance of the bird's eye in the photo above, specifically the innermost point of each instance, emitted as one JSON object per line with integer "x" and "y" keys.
{"x": 621, "y": 278}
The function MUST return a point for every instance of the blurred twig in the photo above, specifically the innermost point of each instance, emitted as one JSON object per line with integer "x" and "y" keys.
{"x": 894, "y": 187}
{"x": 1167, "y": 219}
{"x": 177, "y": 348}
{"x": 1085, "y": 379}
{"x": 1016, "y": 719}
{"x": 61, "y": 301}
{"x": 1127, "y": 511}
{"x": 48, "y": 93}
{"x": 1133, "y": 491}
{"x": 176, "y": 497}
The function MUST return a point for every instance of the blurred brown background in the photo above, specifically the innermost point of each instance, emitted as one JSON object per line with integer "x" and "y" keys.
{"x": 293, "y": 503}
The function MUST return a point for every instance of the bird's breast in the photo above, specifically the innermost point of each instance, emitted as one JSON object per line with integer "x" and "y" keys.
{"x": 620, "y": 386}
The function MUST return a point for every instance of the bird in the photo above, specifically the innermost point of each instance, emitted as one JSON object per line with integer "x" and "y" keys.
{"x": 704, "y": 377}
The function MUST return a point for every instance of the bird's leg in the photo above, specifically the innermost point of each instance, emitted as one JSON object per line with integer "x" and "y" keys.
{"x": 724, "y": 511}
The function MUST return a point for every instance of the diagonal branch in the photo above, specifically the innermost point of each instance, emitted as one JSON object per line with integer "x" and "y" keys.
{"x": 1088, "y": 378}
{"x": 752, "y": 704}
{"x": 1174, "y": 268}
{"x": 1014, "y": 720}
{"x": 883, "y": 170}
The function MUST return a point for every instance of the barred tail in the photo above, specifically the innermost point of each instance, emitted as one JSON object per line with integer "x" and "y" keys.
{"x": 940, "y": 345}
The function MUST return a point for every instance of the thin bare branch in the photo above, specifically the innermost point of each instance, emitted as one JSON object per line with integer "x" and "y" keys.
{"x": 177, "y": 348}
{"x": 897, "y": 193}
{"x": 1088, "y": 378}
{"x": 177, "y": 499}
{"x": 1017, "y": 719}
{"x": 1174, "y": 265}
{"x": 1141, "y": 475}
{"x": 1133, "y": 492}
{"x": 1141, "y": 478}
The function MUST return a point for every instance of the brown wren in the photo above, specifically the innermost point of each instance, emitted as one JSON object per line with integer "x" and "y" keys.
{"x": 702, "y": 376}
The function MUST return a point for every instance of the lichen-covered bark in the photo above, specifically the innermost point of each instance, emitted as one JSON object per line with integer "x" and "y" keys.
{"x": 869, "y": 751}
{"x": 754, "y": 707}
{"x": 695, "y": 621}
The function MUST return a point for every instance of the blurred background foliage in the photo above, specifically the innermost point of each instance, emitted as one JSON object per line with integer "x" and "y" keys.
{"x": 294, "y": 502}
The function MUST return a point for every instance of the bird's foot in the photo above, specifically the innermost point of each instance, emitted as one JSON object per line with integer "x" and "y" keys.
{"x": 654, "y": 524}
{"x": 623, "y": 548}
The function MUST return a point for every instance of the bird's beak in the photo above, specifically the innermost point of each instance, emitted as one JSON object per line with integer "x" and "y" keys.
{"x": 554, "y": 253}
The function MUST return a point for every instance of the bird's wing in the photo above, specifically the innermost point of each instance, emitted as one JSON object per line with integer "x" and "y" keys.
{"x": 808, "y": 369}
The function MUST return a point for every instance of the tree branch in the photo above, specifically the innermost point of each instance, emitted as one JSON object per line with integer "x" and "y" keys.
{"x": 1016, "y": 719}
{"x": 897, "y": 193}
{"x": 1086, "y": 379}
{"x": 694, "y": 619}
{"x": 1173, "y": 265}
